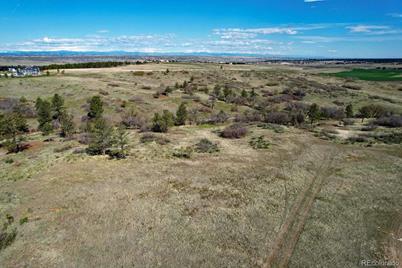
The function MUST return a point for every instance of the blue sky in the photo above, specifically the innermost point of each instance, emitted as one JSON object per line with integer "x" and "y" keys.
{"x": 329, "y": 28}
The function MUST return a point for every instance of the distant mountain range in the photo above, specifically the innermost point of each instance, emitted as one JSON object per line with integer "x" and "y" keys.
{"x": 226, "y": 57}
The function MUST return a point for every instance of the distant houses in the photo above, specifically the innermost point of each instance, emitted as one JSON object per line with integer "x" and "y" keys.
{"x": 19, "y": 71}
{"x": 24, "y": 71}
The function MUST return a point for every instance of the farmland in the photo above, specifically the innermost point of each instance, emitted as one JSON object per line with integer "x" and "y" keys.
{"x": 372, "y": 74}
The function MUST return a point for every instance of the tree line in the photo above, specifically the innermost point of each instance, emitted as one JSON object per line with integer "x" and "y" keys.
{"x": 84, "y": 65}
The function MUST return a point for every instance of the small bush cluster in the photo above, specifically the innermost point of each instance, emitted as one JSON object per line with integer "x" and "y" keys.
{"x": 249, "y": 116}
{"x": 149, "y": 137}
{"x": 183, "y": 152}
{"x": 276, "y": 128}
{"x": 280, "y": 118}
{"x": 206, "y": 146}
{"x": 374, "y": 110}
{"x": 332, "y": 113}
{"x": 259, "y": 143}
{"x": 389, "y": 138}
{"x": 7, "y": 234}
{"x": 235, "y": 131}
{"x": 131, "y": 119}
{"x": 390, "y": 121}
{"x": 218, "y": 118}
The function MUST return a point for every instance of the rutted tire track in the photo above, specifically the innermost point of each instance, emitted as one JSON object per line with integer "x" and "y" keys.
{"x": 289, "y": 234}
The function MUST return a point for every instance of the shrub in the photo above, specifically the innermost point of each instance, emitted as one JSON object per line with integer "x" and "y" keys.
{"x": 8, "y": 160}
{"x": 149, "y": 137}
{"x": 193, "y": 116}
{"x": 274, "y": 127}
{"x": 358, "y": 139}
{"x": 332, "y": 112}
{"x": 116, "y": 154}
{"x": 167, "y": 91}
{"x": 280, "y": 118}
{"x": 23, "y": 220}
{"x": 138, "y": 73}
{"x": 131, "y": 119}
{"x": 249, "y": 116}
{"x": 390, "y": 138}
{"x": 8, "y": 104}
{"x": 368, "y": 128}
{"x": 183, "y": 152}
{"x": 391, "y": 121}
{"x": 25, "y": 109}
{"x": 338, "y": 103}
{"x": 295, "y": 92}
{"x": 103, "y": 92}
{"x": 161, "y": 123}
{"x": 297, "y": 117}
{"x": 206, "y": 146}
{"x": 157, "y": 94}
{"x": 299, "y": 106}
{"x": 374, "y": 110}
{"x": 218, "y": 118}
{"x": 259, "y": 143}
{"x": 235, "y": 131}
{"x": 7, "y": 237}
{"x": 63, "y": 148}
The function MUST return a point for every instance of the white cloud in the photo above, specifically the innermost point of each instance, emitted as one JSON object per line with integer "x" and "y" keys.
{"x": 137, "y": 43}
{"x": 366, "y": 28}
{"x": 313, "y": 1}
{"x": 254, "y": 31}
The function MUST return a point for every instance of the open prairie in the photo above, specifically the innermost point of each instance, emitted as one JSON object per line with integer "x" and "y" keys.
{"x": 325, "y": 193}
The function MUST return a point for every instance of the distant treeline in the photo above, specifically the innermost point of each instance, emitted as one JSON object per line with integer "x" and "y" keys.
{"x": 82, "y": 65}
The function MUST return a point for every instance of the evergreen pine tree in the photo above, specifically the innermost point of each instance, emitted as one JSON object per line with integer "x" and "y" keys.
{"x": 101, "y": 137}
{"x": 349, "y": 111}
{"x": 57, "y": 106}
{"x": 314, "y": 113}
{"x": 181, "y": 115}
{"x": 95, "y": 107}
{"x": 66, "y": 125}
{"x": 45, "y": 117}
{"x": 11, "y": 129}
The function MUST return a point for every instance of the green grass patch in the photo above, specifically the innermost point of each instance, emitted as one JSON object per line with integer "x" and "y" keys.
{"x": 372, "y": 74}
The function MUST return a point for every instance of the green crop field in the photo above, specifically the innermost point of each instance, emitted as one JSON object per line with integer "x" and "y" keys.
{"x": 372, "y": 74}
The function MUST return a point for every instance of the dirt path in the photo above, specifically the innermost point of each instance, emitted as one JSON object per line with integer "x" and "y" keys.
{"x": 289, "y": 234}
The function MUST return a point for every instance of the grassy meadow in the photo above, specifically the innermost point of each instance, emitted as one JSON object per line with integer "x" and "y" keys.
{"x": 326, "y": 194}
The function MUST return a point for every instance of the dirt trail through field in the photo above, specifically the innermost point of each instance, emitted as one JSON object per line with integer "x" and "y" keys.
{"x": 288, "y": 236}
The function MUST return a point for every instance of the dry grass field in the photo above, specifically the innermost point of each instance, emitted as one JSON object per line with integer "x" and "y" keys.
{"x": 313, "y": 198}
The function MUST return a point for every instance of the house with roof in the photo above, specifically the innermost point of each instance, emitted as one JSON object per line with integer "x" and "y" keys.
{"x": 24, "y": 71}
